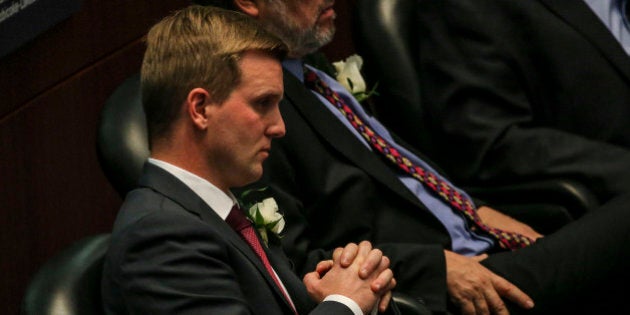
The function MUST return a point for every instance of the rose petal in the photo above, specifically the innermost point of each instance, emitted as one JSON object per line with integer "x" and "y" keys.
{"x": 268, "y": 209}
{"x": 339, "y": 65}
{"x": 350, "y": 70}
{"x": 278, "y": 227}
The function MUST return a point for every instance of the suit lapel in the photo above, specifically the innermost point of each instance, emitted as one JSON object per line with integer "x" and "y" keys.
{"x": 168, "y": 185}
{"x": 580, "y": 17}
{"x": 291, "y": 281}
{"x": 336, "y": 134}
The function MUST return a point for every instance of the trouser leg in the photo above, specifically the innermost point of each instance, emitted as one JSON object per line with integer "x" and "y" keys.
{"x": 579, "y": 267}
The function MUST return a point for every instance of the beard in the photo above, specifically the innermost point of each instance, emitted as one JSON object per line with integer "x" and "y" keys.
{"x": 300, "y": 40}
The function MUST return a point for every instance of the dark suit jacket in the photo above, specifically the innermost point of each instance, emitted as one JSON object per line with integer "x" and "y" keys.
{"x": 520, "y": 90}
{"x": 333, "y": 190}
{"x": 171, "y": 254}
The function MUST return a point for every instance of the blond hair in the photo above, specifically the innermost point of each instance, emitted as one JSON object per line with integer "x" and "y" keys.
{"x": 197, "y": 47}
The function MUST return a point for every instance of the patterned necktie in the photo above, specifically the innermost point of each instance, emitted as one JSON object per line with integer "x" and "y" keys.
{"x": 239, "y": 222}
{"x": 457, "y": 201}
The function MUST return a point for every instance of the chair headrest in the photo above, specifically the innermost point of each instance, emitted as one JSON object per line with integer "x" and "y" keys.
{"x": 122, "y": 141}
{"x": 385, "y": 31}
{"x": 387, "y": 38}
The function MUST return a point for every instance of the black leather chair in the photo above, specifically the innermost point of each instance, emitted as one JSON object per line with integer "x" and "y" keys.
{"x": 407, "y": 305}
{"x": 122, "y": 143}
{"x": 385, "y": 36}
{"x": 70, "y": 282}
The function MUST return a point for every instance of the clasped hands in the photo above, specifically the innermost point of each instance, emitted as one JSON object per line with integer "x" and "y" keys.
{"x": 358, "y": 272}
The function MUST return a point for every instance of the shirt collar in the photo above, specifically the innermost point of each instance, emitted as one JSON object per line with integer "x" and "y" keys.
{"x": 295, "y": 67}
{"x": 214, "y": 197}
{"x": 606, "y": 9}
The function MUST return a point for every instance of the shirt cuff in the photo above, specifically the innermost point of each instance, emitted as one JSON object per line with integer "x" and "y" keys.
{"x": 350, "y": 303}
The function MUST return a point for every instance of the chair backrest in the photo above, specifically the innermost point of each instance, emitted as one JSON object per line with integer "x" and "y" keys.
{"x": 385, "y": 37}
{"x": 70, "y": 282}
{"x": 122, "y": 143}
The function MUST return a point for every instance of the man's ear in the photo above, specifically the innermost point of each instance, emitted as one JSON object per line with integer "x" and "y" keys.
{"x": 197, "y": 103}
{"x": 249, "y": 7}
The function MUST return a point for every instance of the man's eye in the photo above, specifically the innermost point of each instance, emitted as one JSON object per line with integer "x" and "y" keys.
{"x": 265, "y": 102}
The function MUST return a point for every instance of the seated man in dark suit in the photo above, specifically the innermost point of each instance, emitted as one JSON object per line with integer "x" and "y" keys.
{"x": 515, "y": 91}
{"x": 211, "y": 84}
{"x": 341, "y": 176}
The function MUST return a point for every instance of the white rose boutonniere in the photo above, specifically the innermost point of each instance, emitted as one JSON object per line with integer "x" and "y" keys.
{"x": 349, "y": 76}
{"x": 266, "y": 218}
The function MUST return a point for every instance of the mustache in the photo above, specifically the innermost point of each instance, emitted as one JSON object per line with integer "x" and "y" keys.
{"x": 327, "y": 4}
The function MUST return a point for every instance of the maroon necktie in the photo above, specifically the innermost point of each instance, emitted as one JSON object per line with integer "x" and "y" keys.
{"x": 457, "y": 201}
{"x": 239, "y": 222}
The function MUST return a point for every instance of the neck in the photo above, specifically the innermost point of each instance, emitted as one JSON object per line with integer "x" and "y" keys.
{"x": 189, "y": 156}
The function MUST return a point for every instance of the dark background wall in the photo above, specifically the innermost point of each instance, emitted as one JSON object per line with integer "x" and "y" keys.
{"x": 52, "y": 190}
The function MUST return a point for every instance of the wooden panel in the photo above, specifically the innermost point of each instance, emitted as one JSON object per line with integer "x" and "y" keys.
{"x": 342, "y": 44}
{"x": 51, "y": 180}
{"x": 97, "y": 30}
{"x": 52, "y": 190}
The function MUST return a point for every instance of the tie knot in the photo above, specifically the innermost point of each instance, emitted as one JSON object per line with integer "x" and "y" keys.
{"x": 237, "y": 219}
{"x": 311, "y": 78}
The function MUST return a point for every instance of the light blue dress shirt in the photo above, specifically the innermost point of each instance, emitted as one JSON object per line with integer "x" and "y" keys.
{"x": 611, "y": 13}
{"x": 464, "y": 241}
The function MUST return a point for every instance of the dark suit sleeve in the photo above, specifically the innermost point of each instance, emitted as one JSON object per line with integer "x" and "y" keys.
{"x": 174, "y": 264}
{"x": 487, "y": 113}
{"x": 331, "y": 307}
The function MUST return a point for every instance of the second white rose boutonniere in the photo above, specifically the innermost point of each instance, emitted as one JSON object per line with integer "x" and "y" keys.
{"x": 266, "y": 218}
{"x": 349, "y": 75}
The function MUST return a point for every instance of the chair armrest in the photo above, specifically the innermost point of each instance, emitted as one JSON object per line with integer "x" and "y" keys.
{"x": 407, "y": 305}
{"x": 69, "y": 282}
{"x": 572, "y": 195}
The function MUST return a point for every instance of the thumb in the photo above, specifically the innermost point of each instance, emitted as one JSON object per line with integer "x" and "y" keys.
{"x": 323, "y": 267}
{"x": 311, "y": 278}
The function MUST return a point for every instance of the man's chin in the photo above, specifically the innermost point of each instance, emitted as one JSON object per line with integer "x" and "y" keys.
{"x": 326, "y": 33}
{"x": 256, "y": 174}
{"x": 312, "y": 46}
